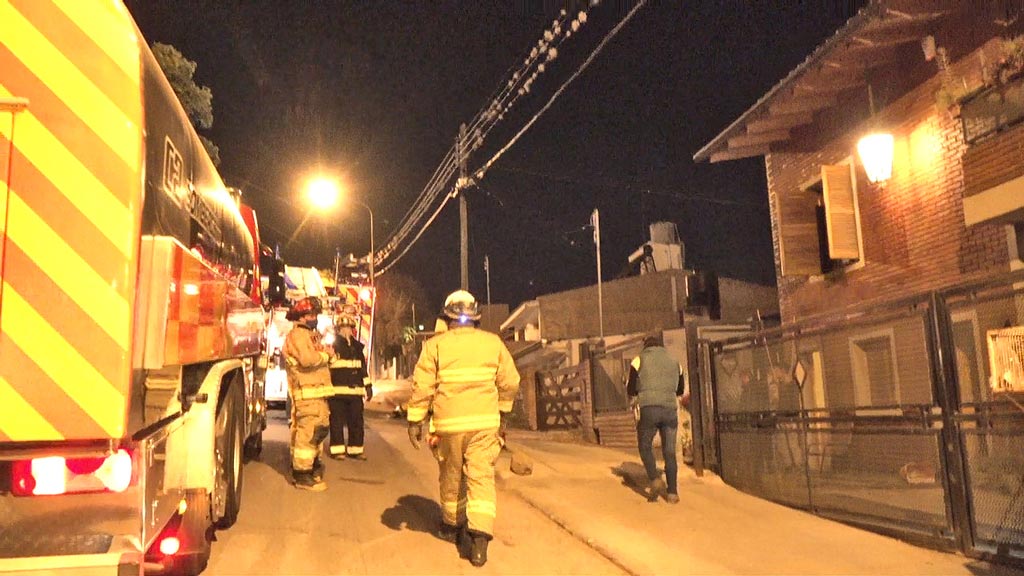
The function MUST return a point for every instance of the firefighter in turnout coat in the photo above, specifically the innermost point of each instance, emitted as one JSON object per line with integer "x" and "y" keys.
{"x": 465, "y": 383}
{"x": 351, "y": 384}
{"x": 309, "y": 384}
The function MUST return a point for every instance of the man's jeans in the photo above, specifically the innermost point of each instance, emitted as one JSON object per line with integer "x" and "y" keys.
{"x": 664, "y": 421}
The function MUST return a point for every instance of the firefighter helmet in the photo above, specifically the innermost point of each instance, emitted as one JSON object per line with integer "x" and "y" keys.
{"x": 308, "y": 305}
{"x": 461, "y": 305}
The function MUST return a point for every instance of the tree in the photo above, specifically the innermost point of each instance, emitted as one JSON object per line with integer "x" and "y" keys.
{"x": 195, "y": 99}
{"x": 393, "y": 321}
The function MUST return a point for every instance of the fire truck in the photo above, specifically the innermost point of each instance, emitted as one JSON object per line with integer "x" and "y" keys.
{"x": 130, "y": 315}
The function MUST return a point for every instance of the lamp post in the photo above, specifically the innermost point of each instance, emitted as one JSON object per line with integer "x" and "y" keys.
{"x": 370, "y": 259}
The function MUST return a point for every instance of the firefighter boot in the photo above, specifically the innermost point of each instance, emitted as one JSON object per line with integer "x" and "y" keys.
{"x": 478, "y": 553}
{"x": 318, "y": 470}
{"x": 473, "y": 546}
{"x": 448, "y": 533}
{"x": 304, "y": 480}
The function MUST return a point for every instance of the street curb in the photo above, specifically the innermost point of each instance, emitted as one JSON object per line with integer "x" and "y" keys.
{"x": 588, "y": 542}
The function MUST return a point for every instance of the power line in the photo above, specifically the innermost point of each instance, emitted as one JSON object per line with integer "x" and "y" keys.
{"x": 586, "y": 63}
{"x": 502, "y": 100}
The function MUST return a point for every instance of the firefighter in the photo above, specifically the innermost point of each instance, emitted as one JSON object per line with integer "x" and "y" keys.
{"x": 309, "y": 384}
{"x": 465, "y": 381}
{"x": 351, "y": 384}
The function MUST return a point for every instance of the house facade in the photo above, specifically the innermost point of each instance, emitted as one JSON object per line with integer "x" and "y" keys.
{"x": 889, "y": 397}
{"x": 942, "y": 217}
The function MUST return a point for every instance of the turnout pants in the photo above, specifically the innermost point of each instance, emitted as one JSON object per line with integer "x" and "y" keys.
{"x": 467, "y": 479}
{"x": 347, "y": 412}
{"x": 309, "y": 429}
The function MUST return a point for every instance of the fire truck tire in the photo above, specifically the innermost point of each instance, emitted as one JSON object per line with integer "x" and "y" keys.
{"x": 233, "y": 447}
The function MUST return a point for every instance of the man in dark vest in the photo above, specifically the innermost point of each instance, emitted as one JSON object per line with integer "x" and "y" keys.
{"x": 656, "y": 383}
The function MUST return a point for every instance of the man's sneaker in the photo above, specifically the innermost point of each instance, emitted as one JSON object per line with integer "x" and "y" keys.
{"x": 656, "y": 488}
{"x": 306, "y": 481}
{"x": 357, "y": 456}
{"x": 672, "y": 498}
{"x": 338, "y": 456}
{"x": 448, "y": 533}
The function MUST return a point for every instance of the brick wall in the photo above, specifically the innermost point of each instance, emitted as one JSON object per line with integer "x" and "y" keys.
{"x": 913, "y": 227}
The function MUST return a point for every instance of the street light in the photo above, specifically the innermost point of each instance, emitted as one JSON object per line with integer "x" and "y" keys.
{"x": 322, "y": 192}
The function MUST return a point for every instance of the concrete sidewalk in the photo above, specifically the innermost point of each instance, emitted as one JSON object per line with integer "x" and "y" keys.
{"x": 595, "y": 493}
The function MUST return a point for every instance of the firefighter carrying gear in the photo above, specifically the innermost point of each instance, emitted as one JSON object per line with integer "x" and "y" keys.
{"x": 464, "y": 377}
{"x": 351, "y": 384}
{"x": 309, "y": 383}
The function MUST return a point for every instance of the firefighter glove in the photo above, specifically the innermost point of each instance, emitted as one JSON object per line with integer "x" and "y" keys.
{"x": 415, "y": 434}
{"x": 369, "y": 392}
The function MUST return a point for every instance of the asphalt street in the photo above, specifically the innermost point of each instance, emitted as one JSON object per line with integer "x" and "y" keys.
{"x": 377, "y": 517}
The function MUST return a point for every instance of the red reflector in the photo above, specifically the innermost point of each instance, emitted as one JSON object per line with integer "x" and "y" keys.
{"x": 54, "y": 475}
{"x": 170, "y": 545}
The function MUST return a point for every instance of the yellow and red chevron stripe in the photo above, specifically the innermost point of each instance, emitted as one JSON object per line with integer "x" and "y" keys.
{"x": 70, "y": 210}
{"x": 363, "y": 298}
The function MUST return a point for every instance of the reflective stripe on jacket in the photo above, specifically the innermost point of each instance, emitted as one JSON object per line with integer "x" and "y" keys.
{"x": 348, "y": 368}
{"x": 308, "y": 376}
{"x": 464, "y": 377}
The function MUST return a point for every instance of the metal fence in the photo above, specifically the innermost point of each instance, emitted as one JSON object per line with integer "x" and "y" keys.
{"x": 885, "y": 417}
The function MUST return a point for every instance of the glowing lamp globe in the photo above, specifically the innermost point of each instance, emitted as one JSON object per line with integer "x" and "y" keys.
{"x": 876, "y": 151}
{"x": 323, "y": 193}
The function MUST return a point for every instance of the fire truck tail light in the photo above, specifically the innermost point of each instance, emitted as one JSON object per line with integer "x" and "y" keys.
{"x": 170, "y": 545}
{"x": 365, "y": 295}
{"x": 55, "y": 475}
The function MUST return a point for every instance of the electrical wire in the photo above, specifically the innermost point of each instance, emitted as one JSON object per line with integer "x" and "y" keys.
{"x": 505, "y": 96}
{"x": 586, "y": 63}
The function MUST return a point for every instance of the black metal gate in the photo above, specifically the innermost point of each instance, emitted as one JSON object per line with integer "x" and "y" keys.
{"x": 897, "y": 418}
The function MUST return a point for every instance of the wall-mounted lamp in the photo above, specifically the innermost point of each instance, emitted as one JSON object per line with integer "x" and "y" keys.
{"x": 876, "y": 150}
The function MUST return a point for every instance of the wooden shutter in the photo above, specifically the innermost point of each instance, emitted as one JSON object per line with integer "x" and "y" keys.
{"x": 799, "y": 253}
{"x": 841, "y": 212}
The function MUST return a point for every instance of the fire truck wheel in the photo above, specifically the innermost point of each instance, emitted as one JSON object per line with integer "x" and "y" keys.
{"x": 231, "y": 463}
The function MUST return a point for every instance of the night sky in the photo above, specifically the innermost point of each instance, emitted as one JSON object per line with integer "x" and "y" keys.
{"x": 375, "y": 92}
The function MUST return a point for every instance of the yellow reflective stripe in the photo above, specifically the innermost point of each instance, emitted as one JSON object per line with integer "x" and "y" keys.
{"x": 467, "y": 423}
{"x": 635, "y": 363}
{"x": 355, "y": 450}
{"x": 416, "y": 414}
{"x": 313, "y": 393}
{"x": 335, "y": 450}
{"x": 65, "y": 267}
{"x": 324, "y": 357}
{"x": 89, "y": 103}
{"x": 76, "y": 182}
{"x": 467, "y": 374}
{"x": 349, "y": 391}
{"x": 505, "y": 405}
{"x": 341, "y": 363}
{"x": 483, "y": 507}
{"x": 63, "y": 364}
{"x": 19, "y": 420}
{"x": 97, "y": 24}
{"x": 367, "y": 381}
{"x": 305, "y": 453}
{"x": 291, "y": 361}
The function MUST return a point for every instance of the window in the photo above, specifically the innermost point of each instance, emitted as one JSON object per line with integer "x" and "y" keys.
{"x": 875, "y": 375}
{"x": 819, "y": 225}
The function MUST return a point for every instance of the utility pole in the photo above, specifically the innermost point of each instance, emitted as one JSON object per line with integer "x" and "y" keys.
{"x": 595, "y": 220}
{"x": 462, "y": 184}
{"x": 487, "y": 270}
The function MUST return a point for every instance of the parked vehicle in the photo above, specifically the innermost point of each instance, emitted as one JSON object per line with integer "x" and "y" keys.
{"x": 130, "y": 307}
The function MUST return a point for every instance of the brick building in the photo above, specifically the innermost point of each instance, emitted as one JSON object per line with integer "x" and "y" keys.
{"x": 891, "y": 395}
{"x": 943, "y": 217}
